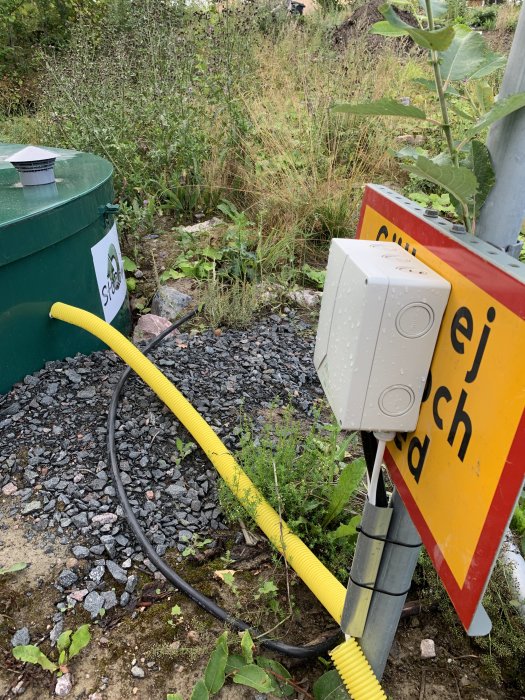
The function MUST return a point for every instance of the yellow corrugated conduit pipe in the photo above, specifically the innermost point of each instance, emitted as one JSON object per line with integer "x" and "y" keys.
{"x": 348, "y": 658}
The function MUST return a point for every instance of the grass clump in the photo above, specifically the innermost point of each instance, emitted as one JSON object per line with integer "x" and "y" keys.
{"x": 232, "y": 305}
{"x": 308, "y": 474}
{"x": 501, "y": 658}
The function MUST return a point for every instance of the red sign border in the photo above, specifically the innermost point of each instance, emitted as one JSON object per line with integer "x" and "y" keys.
{"x": 499, "y": 285}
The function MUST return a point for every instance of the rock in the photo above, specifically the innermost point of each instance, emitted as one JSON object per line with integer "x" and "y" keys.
{"x": 19, "y": 688}
{"x": 79, "y": 595}
{"x": 73, "y": 376}
{"x": 110, "y": 599}
{"x": 428, "y": 649}
{"x": 97, "y": 574}
{"x": 124, "y": 599}
{"x": 132, "y": 583}
{"x": 31, "y": 507}
{"x": 149, "y": 326}
{"x": 192, "y": 636}
{"x": 9, "y": 489}
{"x": 21, "y": 637}
{"x": 56, "y": 632}
{"x": 80, "y": 520}
{"x": 67, "y": 578}
{"x": 88, "y": 393}
{"x": 169, "y": 302}
{"x": 80, "y": 552}
{"x": 63, "y": 686}
{"x": 137, "y": 672}
{"x": 175, "y": 491}
{"x": 203, "y": 225}
{"x": 307, "y": 298}
{"x": 117, "y": 572}
{"x": 104, "y": 519}
{"x": 94, "y": 603}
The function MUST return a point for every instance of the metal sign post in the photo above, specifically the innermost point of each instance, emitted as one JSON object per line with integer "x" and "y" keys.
{"x": 504, "y": 210}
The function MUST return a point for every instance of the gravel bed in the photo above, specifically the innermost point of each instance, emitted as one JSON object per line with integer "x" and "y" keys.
{"x": 53, "y": 460}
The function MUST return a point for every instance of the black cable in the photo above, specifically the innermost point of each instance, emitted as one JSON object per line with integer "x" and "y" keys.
{"x": 301, "y": 652}
{"x": 369, "y": 442}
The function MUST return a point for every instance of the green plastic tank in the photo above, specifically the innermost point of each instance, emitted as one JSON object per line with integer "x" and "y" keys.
{"x": 58, "y": 242}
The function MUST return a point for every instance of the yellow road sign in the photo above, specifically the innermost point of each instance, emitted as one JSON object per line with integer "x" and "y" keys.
{"x": 460, "y": 472}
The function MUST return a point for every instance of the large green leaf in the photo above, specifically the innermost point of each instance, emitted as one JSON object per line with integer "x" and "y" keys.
{"x": 347, "y": 529}
{"x": 31, "y": 654}
{"x": 64, "y": 640}
{"x": 254, "y": 677}
{"x": 349, "y": 480}
{"x": 439, "y": 7}
{"x": 12, "y": 568}
{"x": 233, "y": 663}
{"x": 247, "y": 647}
{"x": 431, "y": 86}
{"x": 464, "y": 55}
{"x": 80, "y": 639}
{"x": 461, "y": 113}
{"x": 484, "y": 96}
{"x": 480, "y": 163}
{"x": 491, "y": 63}
{"x": 330, "y": 687}
{"x": 278, "y": 674}
{"x": 411, "y": 152}
{"x": 384, "y": 107}
{"x": 200, "y": 692}
{"x": 435, "y": 40}
{"x": 501, "y": 109}
{"x": 214, "y": 674}
{"x": 460, "y": 182}
{"x": 384, "y": 28}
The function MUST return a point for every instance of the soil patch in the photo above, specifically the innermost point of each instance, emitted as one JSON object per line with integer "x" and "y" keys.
{"x": 357, "y": 26}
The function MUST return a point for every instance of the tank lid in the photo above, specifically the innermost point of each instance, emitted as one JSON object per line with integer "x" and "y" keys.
{"x": 76, "y": 173}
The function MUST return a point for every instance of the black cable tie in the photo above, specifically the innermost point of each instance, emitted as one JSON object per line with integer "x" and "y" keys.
{"x": 378, "y": 590}
{"x": 380, "y": 538}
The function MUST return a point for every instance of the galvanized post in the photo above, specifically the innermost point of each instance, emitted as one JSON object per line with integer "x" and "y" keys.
{"x": 395, "y": 574}
{"x": 504, "y": 210}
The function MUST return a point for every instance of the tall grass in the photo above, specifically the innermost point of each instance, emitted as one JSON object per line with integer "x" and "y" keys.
{"x": 304, "y": 167}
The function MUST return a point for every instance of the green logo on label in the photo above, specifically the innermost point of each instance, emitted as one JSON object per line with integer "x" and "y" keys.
{"x": 114, "y": 270}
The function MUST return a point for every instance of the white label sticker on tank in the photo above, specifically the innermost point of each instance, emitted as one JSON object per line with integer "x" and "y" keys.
{"x": 109, "y": 270}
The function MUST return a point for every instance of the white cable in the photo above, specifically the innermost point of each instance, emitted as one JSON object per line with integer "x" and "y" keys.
{"x": 382, "y": 439}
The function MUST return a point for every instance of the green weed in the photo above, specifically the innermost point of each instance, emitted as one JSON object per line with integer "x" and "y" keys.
{"x": 194, "y": 545}
{"x": 461, "y": 62}
{"x": 19, "y": 566}
{"x": 499, "y": 657}
{"x": 308, "y": 476}
{"x": 258, "y": 672}
{"x": 69, "y": 644}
